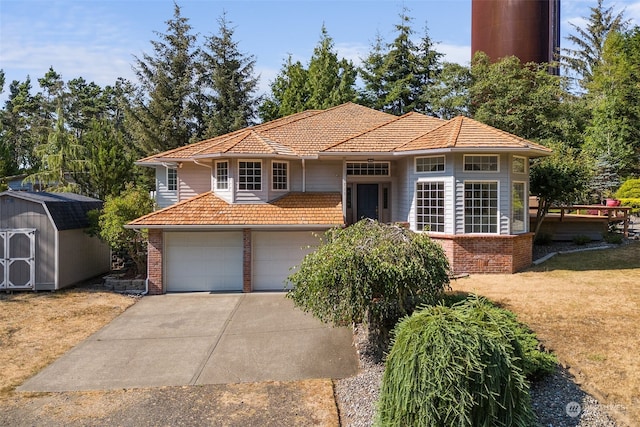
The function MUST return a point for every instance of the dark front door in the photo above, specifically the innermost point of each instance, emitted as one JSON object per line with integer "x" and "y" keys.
{"x": 367, "y": 199}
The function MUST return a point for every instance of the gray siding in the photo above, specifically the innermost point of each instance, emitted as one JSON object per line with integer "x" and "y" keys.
{"x": 325, "y": 175}
{"x": 411, "y": 178}
{"x": 164, "y": 197}
{"x": 81, "y": 257}
{"x": 17, "y": 213}
{"x": 504, "y": 190}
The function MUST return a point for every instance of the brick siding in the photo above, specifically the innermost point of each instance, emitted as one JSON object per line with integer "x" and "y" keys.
{"x": 479, "y": 254}
{"x": 247, "y": 286}
{"x": 154, "y": 262}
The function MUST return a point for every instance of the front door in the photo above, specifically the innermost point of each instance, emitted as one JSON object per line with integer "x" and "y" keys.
{"x": 367, "y": 201}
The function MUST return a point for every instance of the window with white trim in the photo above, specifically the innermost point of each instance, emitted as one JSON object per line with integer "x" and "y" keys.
{"x": 518, "y": 164}
{"x": 430, "y": 206}
{"x": 172, "y": 179}
{"x": 480, "y": 163}
{"x": 518, "y": 204}
{"x": 430, "y": 164}
{"x": 280, "y": 176}
{"x": 480, "y": 207}
{"x": 222, "y": 175}
{"x": 368, "y": 168}
{"x": 250, "y": 175}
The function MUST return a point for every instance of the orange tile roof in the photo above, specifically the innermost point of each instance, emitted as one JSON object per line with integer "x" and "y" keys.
{"x": 207, "y": 209}
{"x": 350, "y": 128}
{"x": 388, "y": 136}
{"x": 463, "y": 132}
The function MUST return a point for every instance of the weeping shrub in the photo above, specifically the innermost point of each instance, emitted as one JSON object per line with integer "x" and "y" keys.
{"x": 370, "y": 272}
{"x": 454, "y": 366}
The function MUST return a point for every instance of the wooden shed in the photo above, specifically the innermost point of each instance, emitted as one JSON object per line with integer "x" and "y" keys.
{"x": 43, "y": 243}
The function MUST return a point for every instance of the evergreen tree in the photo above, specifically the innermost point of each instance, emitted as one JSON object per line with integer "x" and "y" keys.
{"x": 228, "y": 77}
{"x": 327, "y": 82}
{"x": 522, "y": 99}
{"x": 397, "y": 76}
{"x": 16, "y": 135}
{"x": 330, "y": 81}
{"x": 613, "y": 98}
{"x": 448, "y": 95}
{"x": 60, "y": 157}
{"x": 109, "y": 166}
{"x": 162, "y": 114}
{"x": 372, "y": 72}
{"x": 288, "y": 92}
{"x": 590, "y": 41}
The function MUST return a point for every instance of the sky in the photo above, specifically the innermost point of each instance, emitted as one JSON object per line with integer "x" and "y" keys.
{"x": 99, "y": 39}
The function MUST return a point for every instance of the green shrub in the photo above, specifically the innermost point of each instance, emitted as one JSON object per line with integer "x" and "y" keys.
{"x": 370, "y": 272}
{"x": 613, "y": 238}
{"x": 581, "y": 239}
{"x": 459, "y": 365}
{"x": 630, "y": 189}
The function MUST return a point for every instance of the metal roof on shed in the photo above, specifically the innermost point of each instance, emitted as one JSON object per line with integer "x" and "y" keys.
{"x": 68, "y": 210}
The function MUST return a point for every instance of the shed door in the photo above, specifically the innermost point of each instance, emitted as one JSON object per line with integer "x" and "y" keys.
{"x": 18, "y": 259}
{"x": 275, "y": 252}
{"x": 203, "y": 261}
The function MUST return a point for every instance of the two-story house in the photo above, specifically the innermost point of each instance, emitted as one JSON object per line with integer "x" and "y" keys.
{"x": 238, "y": 211}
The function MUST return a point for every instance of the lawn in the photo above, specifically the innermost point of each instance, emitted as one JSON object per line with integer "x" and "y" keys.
{"x": 37, "y": 328}
{"x": 586, "y": 308}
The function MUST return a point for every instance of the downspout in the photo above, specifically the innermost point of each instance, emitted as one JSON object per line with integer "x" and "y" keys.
{"x": 304, "y": 177}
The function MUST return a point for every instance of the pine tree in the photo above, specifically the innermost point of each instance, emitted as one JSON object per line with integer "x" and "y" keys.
{"x": 228, "y": 82}
{"x": 162, "y": 114}
{"x": 329, "y": 81}
{"x": 590, "y": 41}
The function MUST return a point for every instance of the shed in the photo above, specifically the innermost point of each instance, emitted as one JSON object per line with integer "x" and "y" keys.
{"x": 43, "y": 243}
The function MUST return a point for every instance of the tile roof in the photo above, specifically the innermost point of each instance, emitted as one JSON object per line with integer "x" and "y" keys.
{"x": 463, "y": 132}
{"x": 208, "y": 209}
{"x": 389, "y": 135}
{"x": 350, "y": 128}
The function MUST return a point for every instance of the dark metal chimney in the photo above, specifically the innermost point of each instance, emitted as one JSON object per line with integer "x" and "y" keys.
{"x": 528, "y": 29}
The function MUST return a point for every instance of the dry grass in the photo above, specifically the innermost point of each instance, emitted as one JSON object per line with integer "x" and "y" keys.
{"x": 586, "y": 308}
{"x": 37, "y": 328}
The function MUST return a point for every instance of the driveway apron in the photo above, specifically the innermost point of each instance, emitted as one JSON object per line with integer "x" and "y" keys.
{"x": 201, "y": 338}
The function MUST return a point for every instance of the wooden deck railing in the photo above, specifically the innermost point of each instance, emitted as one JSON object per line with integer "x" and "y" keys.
{"x": 612, "y": 213}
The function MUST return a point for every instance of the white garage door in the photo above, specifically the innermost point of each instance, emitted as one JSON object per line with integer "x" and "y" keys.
{"x": 203, "y": 261}
{"x": 275, "y": 252}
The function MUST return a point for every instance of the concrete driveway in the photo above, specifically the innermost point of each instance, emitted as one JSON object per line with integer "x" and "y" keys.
{"x": 200, "y": 338}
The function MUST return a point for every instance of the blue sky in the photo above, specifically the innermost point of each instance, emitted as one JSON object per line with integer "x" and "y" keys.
{"x": 97, "y": 39}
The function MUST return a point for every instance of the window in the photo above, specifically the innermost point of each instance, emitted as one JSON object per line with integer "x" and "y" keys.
{"x": 222, "y": 175}
{"x": 430, "y": 206}
{"x": 430, "y": 164}
{"x": 481, "y": 163}
{"x": 368, "y": 168}
{"x": 480, "y": 207}
{"x": 250, "y": 175}
{"x": 518, "y": 200}
{"x": 280, "y": 176}
{"x": 518, "y": 165}
{"x": 172, "y": 179}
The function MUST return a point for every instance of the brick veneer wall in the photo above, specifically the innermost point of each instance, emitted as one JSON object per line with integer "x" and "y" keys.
{"x": 247, "y": 286}
{"x": 487, "y": 253}
{"x": 154, "y": 262}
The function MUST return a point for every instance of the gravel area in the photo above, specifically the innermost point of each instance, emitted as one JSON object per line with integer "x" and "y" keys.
{"x": 557, "y": 400}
